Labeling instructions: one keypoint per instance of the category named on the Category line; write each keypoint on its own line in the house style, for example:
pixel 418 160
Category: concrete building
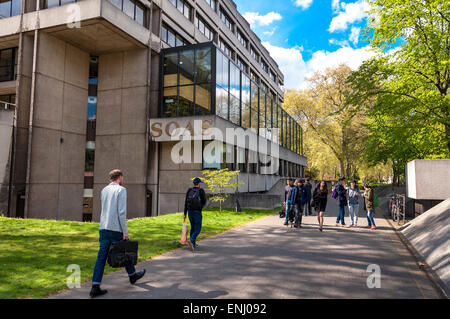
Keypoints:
pixel 94 81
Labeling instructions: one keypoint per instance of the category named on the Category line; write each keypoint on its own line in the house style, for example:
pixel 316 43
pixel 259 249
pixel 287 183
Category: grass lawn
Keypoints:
pixel 35 253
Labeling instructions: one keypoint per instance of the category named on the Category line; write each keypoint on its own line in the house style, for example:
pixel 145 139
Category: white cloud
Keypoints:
pixel 255 19
pixel 290 61
pixel 271 32
pixel 335 5
pixel 304 4
pixel 354 35
pixel 296 70
pixel 341 43
pixel 348 14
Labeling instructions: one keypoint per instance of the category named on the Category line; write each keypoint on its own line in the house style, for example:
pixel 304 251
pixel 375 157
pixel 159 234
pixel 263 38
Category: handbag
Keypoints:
pixel 123 253
pixel 184 231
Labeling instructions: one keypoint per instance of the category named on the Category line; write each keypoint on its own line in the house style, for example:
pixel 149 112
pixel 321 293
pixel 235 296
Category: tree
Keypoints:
pixel 324 110
pixel 219 181
pixel 404 89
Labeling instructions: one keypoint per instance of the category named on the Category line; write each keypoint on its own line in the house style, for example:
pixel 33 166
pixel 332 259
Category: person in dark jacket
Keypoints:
pixel 308 210
pixel 320 198
pixel 193 204
pixel 342 198
pixel 303 196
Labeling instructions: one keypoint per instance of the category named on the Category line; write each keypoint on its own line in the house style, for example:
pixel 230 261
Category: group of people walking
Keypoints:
pixel 298 201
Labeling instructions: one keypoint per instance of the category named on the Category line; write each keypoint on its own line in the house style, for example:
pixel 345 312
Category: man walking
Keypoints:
pixel 342 198
pixel 302 197
pixel 308 203
pixel 113 228
pixel 194 203
pixel 288 203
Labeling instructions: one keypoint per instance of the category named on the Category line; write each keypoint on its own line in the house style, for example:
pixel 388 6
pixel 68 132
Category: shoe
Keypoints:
pixel 195 245
pixel 191 247
pixel 320 228
pixel 367 226
pixel 286 223
pixel 295 226
pixel 137 276
pixel 373 227
pixel 96 291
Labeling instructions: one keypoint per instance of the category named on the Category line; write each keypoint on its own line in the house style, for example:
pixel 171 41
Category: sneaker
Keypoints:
pixel 191 247
pixel 367 226
pixel 137 276
pixel 96 291
pixel 195 245
pixel 286 223
pixel 373 227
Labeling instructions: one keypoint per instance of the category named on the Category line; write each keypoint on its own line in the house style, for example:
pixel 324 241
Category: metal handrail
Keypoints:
pixel 7 105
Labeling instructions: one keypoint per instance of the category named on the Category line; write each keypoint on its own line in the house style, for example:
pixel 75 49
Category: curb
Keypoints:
pixel 420 261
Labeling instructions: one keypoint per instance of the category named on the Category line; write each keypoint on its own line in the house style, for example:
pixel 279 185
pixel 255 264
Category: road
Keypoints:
pixel 264 259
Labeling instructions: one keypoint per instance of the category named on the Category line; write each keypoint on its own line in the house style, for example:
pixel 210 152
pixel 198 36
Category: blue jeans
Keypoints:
pixel 353 213
pixel 107 237
pixel 195 218
pixel 370 219
pixel 298 209
pixel 288 208
pixel 341 215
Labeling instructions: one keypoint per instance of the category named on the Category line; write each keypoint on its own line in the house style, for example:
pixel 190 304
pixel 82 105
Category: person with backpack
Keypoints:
pixel 303 196
pixel 353 203
pixel 340 193
pixel 369 198
pixel 320 197
pixel 193 205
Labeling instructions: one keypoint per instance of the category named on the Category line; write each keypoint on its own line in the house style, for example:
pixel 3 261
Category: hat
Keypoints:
pixel 197 180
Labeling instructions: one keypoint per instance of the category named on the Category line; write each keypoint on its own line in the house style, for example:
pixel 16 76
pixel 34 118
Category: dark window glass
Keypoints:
pixel 7 64
pixel 186 67
pixel 186 100
pixel 171 69
pixel 221 102
pixel 170 102
pixel 203 99
pixel 234 110
pixel 203 65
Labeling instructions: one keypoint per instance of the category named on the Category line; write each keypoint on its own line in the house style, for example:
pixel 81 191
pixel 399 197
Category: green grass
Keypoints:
pixel 35 253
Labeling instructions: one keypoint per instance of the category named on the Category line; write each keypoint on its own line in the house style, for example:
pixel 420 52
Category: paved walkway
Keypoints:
pixel 264 259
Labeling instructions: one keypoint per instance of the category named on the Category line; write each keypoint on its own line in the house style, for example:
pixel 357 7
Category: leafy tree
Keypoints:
pixel 334 128
pixel 221 183
pixel 404 89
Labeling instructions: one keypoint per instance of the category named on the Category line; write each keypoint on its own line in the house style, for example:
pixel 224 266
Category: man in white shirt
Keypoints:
pixel 113 228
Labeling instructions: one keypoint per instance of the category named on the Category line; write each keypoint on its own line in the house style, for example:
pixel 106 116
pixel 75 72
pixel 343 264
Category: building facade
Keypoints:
pixel 100 84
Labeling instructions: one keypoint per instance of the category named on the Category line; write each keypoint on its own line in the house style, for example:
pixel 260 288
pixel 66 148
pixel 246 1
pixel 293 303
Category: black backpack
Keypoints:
pixel 193 202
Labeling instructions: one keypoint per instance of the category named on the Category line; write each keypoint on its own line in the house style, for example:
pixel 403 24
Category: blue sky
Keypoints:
pixel 306 36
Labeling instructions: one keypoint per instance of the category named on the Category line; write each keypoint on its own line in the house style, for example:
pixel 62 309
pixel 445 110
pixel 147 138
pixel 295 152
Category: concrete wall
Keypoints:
pixel 59 130
pixel 121 139
pixel 429 234
pixel 428 179
pixel 6 124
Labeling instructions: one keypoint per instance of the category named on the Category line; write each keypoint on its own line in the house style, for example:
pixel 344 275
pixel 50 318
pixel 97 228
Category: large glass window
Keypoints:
pixel 262 113
pixel 8 61
pixel 245 101
pixel 187 82
pixel 254 99
pixel 10 8
pixel 212 4
pixel 225 48
pixel 242 39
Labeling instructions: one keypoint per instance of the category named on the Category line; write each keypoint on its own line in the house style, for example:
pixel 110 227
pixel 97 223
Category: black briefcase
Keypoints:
pixel 123 253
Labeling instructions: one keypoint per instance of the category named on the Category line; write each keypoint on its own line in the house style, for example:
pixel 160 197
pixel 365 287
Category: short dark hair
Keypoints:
pixel 342 178
pixel 115 174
